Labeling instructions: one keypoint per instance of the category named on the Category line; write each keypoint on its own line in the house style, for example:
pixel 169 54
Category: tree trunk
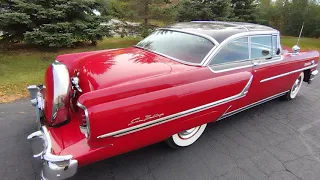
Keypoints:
pixel 146 12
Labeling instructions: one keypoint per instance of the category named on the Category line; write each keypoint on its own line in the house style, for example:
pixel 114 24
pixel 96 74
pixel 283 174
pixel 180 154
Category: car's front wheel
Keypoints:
pixel 186 138
pixel 295 88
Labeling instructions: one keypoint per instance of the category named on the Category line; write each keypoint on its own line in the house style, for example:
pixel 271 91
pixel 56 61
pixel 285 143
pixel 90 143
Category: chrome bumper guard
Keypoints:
pixel 313 75
pixel 54 167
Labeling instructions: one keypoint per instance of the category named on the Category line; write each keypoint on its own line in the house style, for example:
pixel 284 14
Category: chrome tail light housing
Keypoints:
pixel 57 81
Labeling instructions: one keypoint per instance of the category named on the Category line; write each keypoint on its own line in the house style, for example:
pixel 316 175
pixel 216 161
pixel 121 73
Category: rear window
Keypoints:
pixel 181 46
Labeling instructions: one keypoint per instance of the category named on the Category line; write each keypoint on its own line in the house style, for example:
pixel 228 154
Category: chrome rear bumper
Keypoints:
pixel 54 167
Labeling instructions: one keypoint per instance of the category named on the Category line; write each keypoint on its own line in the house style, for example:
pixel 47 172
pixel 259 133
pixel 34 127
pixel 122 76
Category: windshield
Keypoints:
pixel 180 46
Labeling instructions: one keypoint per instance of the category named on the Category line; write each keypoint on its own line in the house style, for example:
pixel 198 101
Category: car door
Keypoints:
pixel 231 59
pixel 264 52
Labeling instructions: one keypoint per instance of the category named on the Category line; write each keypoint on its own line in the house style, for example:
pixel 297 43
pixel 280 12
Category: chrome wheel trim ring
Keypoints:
pixel 188 133
pixel 296 86
pixel 188 137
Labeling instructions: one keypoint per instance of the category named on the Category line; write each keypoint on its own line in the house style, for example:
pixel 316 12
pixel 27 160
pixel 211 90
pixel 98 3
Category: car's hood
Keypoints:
pixel 102 69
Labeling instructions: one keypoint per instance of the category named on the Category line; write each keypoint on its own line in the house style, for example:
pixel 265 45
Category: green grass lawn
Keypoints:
pixel 20 68
pixel 305 43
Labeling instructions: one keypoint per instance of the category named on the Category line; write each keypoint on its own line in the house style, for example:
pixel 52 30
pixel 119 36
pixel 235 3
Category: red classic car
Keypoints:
pixel 95 105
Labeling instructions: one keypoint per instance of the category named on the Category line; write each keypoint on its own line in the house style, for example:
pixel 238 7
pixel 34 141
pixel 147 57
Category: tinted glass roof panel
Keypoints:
pixel 219 30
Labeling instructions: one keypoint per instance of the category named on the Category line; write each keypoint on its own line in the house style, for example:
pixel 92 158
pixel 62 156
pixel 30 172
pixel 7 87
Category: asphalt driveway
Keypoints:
pixel 276 140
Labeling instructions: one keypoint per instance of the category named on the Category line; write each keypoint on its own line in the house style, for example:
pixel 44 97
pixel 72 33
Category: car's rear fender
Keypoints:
pixel 107 119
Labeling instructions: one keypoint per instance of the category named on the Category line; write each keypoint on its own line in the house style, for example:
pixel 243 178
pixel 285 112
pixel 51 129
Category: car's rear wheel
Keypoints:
pixel 186 138
pixel 295 88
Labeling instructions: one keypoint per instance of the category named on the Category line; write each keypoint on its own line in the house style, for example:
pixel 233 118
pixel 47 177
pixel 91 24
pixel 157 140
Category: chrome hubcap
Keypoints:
pixel 189 133
pixel 296 86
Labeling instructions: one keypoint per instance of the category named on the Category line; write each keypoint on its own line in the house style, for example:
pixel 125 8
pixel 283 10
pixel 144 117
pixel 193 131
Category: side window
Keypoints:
pixel 261 47
pixel 235 50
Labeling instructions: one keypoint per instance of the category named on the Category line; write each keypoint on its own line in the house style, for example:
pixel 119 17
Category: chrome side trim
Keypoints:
pixel 178 115
pixel 229 69
pixel 276 59
pixel 225 115
pixel 273 60
pixel 246 88
pixel 288 73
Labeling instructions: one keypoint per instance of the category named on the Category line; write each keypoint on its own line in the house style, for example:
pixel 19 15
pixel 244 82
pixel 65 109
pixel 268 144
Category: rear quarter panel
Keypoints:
pixel 115 108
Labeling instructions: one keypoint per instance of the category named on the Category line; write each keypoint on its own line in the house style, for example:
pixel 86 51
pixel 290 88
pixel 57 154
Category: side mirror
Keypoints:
pixel 265 52
pixel 278 51
pixel 295 49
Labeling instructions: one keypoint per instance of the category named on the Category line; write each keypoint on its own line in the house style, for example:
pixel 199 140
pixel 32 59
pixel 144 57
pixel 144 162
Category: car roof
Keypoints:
pixel 219 30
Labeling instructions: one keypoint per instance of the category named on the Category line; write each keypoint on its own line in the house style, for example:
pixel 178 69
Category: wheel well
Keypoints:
pixel 306 75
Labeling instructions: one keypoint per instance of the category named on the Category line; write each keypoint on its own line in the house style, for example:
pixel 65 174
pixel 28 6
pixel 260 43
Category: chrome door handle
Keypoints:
pixel 256 63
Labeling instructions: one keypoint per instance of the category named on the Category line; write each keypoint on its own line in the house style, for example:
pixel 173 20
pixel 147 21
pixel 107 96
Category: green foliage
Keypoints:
pixel 316 33
pixel 288 16
pixel 52 23
pixel 204 10
pixel 244 10
pixel 141 10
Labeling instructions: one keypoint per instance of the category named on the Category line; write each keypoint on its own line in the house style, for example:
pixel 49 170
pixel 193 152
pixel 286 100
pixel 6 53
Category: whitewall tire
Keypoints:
pixel 186 138
pixel 295 88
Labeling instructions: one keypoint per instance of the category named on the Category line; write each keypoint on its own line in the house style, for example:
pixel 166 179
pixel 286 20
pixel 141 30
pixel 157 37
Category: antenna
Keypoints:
pixel 300 33
pixel 296 48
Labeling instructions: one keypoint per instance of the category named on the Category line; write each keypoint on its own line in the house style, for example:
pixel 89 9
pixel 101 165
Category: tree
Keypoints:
pixel 288 16
pixel 139 9
pixel 204 10
pixel 244 10
pixel 51 23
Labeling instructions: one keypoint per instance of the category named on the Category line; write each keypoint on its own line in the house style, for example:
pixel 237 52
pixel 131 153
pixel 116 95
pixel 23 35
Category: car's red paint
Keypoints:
pixel 48 81
pixel 288 64
pixel 124 84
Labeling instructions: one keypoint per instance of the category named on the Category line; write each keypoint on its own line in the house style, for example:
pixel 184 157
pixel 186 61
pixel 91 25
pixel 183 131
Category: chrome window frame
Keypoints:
pixel 249 51
pixel 271 35
pixel 274 58
pixel 217 47
pixel 210 57
pixel 211 39
pixel 274 53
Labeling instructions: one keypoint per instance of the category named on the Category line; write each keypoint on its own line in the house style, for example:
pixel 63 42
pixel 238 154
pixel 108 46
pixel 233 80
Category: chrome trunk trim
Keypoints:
pixel 169 118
